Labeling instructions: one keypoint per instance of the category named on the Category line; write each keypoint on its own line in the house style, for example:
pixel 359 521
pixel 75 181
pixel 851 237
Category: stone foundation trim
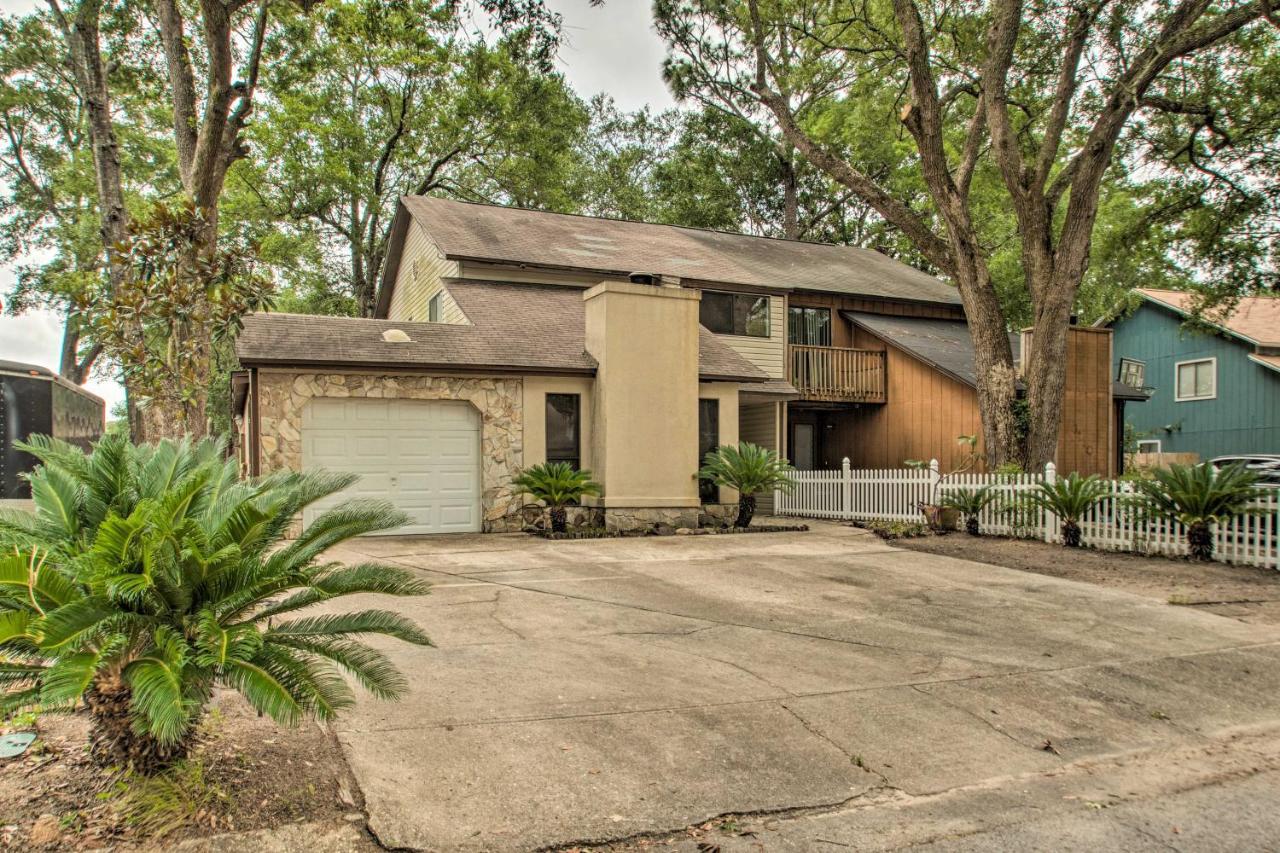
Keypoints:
pixel 620 520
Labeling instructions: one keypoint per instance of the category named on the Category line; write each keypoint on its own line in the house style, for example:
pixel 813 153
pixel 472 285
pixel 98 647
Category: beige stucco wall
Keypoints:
pixel 283 395
pixel 645 401
pixel 536 389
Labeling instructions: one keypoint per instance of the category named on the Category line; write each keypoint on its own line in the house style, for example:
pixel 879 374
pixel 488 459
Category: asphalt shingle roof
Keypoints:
pixel 1256 318
pixel 617 247
pixel 513 327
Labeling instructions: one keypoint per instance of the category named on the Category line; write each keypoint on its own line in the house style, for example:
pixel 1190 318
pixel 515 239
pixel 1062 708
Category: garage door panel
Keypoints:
pixel 423 456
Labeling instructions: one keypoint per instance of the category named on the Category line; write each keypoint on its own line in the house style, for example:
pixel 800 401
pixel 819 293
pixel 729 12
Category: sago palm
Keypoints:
pixel 750 469
pixel 148 575
pixel 970 503
pixel 1198 496
pixel 556 484
pixel 1069 498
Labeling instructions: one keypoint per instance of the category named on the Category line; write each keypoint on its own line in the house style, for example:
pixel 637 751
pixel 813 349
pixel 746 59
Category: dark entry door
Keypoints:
pixel 804 451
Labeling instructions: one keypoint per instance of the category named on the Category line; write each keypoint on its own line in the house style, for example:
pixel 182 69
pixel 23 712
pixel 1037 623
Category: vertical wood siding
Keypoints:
pixel 1086 442
pixel 1243 418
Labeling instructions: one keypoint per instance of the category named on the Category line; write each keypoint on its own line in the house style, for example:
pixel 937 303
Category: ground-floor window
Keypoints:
pixel 708 440
pixel 1149 445
pixel 564 429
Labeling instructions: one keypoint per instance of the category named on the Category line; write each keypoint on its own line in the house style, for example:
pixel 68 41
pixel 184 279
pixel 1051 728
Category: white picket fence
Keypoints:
pixel 1113 524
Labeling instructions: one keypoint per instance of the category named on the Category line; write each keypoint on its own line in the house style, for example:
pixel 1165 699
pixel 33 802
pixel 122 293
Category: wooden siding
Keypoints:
pixel 925 412
pixel 421 269
pixel 842 329
pixel 521 275
pixel 1086 442
pixel 1243 418
pixel 759 424
pixel 769 354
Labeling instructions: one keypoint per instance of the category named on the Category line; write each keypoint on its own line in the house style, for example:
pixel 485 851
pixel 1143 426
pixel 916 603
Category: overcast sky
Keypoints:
pixel 609 49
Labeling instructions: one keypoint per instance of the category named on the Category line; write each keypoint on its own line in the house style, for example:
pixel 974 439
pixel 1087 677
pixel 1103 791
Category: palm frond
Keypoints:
pixel 748 468
pixel 359 622
pixel 349 580
pixel 375 672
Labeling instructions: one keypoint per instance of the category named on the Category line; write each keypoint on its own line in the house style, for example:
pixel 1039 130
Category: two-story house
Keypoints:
pixel 508 337
pixel 1215 387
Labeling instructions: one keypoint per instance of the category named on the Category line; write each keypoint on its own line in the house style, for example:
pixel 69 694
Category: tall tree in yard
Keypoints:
pixel 373 101
pixel 1036 100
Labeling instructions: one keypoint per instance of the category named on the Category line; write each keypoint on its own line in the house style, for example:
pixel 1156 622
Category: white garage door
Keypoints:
pixel 422 455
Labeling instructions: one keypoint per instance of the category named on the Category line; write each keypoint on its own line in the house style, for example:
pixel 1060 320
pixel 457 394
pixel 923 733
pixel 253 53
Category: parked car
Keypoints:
pixel 1266 466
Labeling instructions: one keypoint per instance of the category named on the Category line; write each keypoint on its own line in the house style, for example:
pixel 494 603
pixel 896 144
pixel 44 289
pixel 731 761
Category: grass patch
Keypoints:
pixel 157 806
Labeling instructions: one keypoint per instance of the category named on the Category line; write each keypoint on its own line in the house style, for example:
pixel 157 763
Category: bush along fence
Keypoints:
pixel 1113 524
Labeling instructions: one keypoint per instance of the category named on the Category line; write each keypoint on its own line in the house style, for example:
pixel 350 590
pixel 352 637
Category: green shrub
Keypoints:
pixel 149 575
pixel 1069 498
pixel 557 484
pixel 750 469
pixel 1198 496
pixel 970 503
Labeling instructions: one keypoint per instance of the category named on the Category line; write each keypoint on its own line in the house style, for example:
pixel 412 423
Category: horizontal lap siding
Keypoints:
pixel 768 354
pixel 759 425
pixel 421 269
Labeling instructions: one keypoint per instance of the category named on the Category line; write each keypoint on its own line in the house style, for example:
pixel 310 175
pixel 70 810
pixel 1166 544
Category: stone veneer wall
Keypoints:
pixel 282 397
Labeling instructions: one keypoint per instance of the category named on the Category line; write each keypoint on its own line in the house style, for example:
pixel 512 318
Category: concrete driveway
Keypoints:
pixel 610 690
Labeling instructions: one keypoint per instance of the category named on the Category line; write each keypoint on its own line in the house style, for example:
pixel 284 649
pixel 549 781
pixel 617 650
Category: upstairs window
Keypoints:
pixel 1197 380
pixel 1133 373
pixel 744 314
pixel 433 309
pixel 564 429
pixel 809 326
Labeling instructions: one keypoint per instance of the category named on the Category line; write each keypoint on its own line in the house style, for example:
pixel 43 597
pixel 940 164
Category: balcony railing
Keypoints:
pixel 837 375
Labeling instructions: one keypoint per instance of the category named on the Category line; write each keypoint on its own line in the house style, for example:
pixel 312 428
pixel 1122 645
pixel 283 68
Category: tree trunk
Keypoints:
pixel 971 526
pixel 112 739
pixel 1200 540
pixel 746 510
pixel 790 198
pixel 1070 534
pixel 559 519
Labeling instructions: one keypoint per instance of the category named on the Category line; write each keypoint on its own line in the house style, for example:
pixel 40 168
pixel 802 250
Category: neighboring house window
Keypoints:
pixel 1133 372
pixel 433 309
pixel 564 429
pixel 809 326
pixel 1150 445
pixel 735 313
pixel 708 440
pixel 1197 380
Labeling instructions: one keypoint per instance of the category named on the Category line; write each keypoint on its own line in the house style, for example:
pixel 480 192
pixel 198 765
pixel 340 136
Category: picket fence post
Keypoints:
pixel 846 489
pixel 934 478
pixel 1050 520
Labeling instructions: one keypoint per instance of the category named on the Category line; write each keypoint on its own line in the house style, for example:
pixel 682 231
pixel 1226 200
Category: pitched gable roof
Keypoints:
pixel 514 327
pixel 1255 318
pixel 613 247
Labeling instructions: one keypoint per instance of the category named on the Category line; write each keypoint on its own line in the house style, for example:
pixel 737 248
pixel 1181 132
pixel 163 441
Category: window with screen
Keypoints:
pixel 809 326
pixel 1197 380
pixel 563 429
pixel 743 314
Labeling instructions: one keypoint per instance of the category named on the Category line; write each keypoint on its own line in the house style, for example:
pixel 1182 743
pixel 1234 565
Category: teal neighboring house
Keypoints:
pixel 1215 392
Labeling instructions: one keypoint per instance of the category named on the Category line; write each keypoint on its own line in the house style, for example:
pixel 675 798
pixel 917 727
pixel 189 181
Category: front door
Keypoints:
pixel 803 450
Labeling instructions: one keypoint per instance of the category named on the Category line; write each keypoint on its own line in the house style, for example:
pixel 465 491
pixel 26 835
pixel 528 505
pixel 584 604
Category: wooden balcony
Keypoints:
pixel 837 375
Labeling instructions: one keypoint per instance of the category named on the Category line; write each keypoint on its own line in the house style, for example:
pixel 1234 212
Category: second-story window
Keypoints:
pixel 744 314
pixel 809 326
pixel 433 309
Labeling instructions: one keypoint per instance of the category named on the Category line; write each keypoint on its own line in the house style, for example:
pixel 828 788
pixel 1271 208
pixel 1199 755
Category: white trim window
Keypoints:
pixel 1149 445
pixel 1196 380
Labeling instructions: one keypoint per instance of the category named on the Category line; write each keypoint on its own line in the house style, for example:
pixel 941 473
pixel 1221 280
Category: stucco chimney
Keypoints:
pixel 645 402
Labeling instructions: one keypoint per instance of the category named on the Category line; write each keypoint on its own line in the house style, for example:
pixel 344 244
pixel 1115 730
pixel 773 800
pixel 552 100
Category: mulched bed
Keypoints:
pixel 1242 592
pixel 601 533
pixel 256 775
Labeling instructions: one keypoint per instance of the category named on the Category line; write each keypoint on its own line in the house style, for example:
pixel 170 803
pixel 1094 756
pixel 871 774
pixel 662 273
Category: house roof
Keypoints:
pixel 516 327
pixel 947 346
pixel 1254 318
pixel 1271 361
pixel 614 247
